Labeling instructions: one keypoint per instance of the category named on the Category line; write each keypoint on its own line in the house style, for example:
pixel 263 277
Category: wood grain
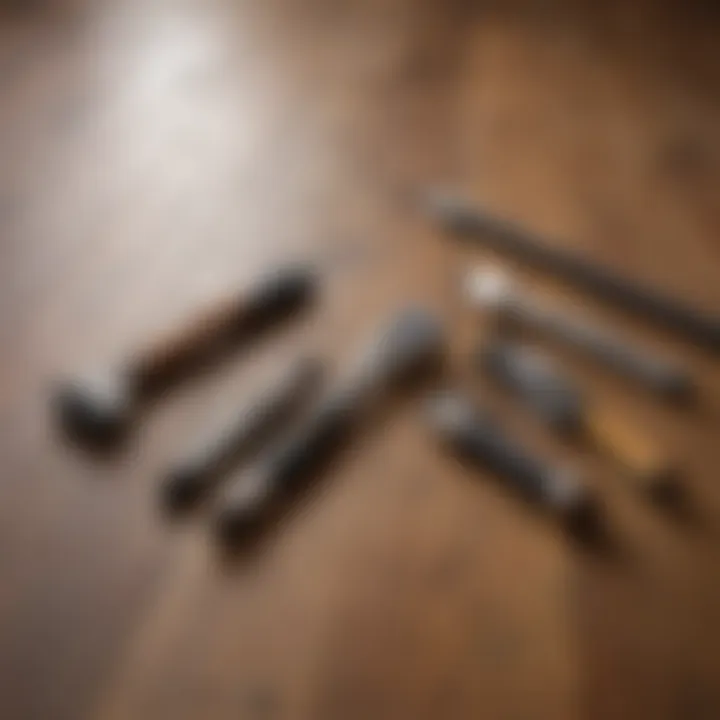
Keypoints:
pixel 156 154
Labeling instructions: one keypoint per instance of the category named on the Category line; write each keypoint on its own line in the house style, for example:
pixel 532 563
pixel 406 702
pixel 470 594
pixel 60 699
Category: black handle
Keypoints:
pixel 472 434
pixel 277 294
pixel 282 469
pixel 268 300
pixel 198 472
pixel 536 380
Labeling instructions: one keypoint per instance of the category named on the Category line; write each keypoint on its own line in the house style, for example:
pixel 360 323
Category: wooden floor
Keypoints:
pixel 154 153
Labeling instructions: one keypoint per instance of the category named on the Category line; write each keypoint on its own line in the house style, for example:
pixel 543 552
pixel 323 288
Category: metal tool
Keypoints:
pixel 493 289
pixel 475 436
pixel 542 386
pixel 196 474
pixel 472 222
pixel 99 410
pixel 413 341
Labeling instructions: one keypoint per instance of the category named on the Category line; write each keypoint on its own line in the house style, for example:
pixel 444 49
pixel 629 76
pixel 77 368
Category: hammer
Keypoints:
pixel 491 288
pixel 412 342
pixel 97 411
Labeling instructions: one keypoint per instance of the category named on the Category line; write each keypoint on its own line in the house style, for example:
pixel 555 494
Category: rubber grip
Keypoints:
pixel 199 471
pixel 475 436
pixel 413 339
pixel 537 381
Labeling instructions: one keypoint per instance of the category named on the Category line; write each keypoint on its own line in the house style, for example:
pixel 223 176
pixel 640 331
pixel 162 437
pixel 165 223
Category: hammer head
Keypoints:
pixel 94 412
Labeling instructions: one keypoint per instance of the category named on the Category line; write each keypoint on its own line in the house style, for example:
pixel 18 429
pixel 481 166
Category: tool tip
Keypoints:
pixel 448 411
pixel 487 286
pixel 573 503
pixel 182 488
pixel 443 204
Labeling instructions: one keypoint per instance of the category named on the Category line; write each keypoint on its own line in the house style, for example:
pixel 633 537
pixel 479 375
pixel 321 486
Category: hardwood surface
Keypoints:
pixel 155 153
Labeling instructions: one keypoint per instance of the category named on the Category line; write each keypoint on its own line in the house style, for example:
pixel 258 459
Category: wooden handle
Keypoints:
pixel 200 337
pixel 209 332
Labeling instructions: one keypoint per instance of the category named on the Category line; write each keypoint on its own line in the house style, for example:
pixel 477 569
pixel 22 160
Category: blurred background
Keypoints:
pixel 157 153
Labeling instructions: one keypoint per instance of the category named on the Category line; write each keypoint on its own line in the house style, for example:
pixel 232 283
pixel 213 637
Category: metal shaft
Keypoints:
pixel 516 307
pixel 476 224
pixel 412 341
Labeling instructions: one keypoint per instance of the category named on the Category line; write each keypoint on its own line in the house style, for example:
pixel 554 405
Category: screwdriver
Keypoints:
pixel 492 289
pixel 200 470
pixel 474 435
pixel 475 224
pixel 413 341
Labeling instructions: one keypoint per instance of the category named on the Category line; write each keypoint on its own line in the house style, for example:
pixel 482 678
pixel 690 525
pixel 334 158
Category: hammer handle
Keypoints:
pixel 268 300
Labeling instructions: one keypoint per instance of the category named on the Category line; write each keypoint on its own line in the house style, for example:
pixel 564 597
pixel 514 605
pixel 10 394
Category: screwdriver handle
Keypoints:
pixel 536 380
pixel 472 434
pixel 281 470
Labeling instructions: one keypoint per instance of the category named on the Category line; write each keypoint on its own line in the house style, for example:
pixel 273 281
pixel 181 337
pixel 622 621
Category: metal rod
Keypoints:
pixel 492 289
pixel 670 313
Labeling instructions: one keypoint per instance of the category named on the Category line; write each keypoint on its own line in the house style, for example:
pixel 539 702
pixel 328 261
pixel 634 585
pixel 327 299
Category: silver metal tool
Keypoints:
pixel 493 289
pixel 413 341
pixel 475 224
